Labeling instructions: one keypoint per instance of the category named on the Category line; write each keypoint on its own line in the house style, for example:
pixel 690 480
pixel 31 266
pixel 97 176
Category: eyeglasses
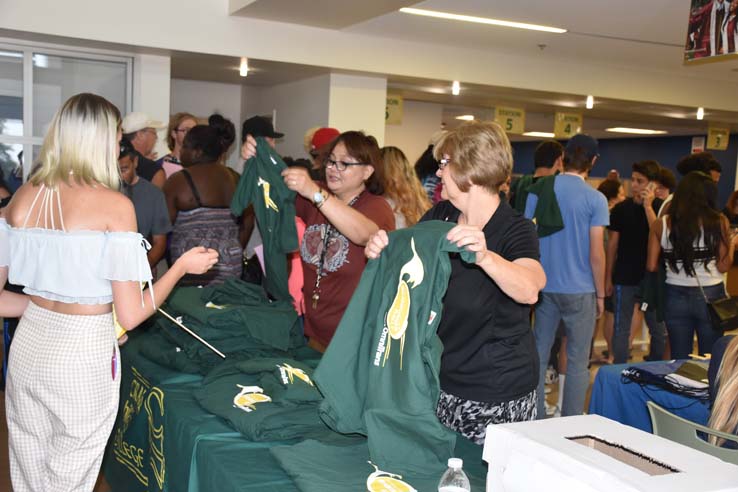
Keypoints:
pixel 445 161
pixel 151 131
pixel 182 130
pixel 341 165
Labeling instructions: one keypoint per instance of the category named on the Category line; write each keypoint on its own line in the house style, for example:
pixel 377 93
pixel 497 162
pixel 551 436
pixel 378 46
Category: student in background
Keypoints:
pixel 179 125
pixel 149 203
pixel 402 189
pixel 626 261
pixel 697 245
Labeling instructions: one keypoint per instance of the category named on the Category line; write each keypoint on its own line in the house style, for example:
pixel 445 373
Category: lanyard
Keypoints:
pixel 328 233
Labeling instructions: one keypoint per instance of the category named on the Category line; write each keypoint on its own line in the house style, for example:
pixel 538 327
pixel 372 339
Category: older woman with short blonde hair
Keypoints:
pixel 489 366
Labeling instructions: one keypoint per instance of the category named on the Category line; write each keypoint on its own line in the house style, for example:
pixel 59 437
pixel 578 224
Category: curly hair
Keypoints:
pixel 402 185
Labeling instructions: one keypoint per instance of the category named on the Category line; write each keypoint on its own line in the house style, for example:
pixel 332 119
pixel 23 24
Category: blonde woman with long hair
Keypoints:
pixel 70 239
pixel 402 188
pixel 724 388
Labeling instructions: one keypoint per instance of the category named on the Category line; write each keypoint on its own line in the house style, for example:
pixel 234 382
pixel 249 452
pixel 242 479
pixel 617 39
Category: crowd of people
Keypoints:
pixel 552 254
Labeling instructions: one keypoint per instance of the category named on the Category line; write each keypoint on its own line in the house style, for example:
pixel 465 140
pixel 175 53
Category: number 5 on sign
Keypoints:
pixel 566 125
pixel 512 120
pixel 717 138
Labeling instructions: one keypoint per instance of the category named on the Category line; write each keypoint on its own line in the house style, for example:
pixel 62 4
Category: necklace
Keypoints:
pixel 328 233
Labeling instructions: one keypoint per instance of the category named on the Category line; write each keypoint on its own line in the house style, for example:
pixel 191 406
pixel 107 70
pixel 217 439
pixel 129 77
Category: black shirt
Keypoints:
pixel 147 168
pixel 629 219
pixel 489 353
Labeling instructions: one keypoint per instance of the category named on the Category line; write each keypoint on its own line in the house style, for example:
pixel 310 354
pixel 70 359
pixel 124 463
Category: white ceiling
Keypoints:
pixel 648 35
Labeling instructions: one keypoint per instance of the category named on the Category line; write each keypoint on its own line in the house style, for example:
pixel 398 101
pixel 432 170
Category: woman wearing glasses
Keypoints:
pixel 179 125
pixel 340 216
pixel 489 365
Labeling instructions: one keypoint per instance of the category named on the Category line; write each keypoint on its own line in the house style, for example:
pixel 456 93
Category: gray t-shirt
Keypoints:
pixel 151 208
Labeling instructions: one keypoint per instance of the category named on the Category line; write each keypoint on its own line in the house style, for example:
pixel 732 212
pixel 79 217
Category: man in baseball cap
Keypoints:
pixel 321 138
pixel 140 130
pixel 258 126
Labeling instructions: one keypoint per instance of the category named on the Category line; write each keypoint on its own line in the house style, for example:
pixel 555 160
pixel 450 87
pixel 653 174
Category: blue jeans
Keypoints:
pixel 578 313
pixel 623 300
pixel 685 313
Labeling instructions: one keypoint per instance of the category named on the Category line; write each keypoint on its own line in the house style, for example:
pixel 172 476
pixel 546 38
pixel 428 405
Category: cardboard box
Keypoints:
pixel 589 453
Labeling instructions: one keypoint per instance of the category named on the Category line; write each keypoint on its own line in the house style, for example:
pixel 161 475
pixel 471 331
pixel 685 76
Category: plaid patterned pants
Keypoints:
pixel 61 399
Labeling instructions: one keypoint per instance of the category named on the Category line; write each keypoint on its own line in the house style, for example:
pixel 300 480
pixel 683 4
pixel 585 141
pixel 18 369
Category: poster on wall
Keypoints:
pixel 566 125
pixel 393 110
pixel 713 31
pixel 717 138
pixel 698 145
pixel 512 120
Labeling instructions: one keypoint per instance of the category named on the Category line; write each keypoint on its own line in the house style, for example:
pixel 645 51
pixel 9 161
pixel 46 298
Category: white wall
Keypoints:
pixel 205 98
pixel 297 106
pixel 419 121
pixel 151 88
pixel 358 103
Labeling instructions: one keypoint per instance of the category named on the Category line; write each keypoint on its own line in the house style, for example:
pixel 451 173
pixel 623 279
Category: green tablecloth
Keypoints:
pixel 164 441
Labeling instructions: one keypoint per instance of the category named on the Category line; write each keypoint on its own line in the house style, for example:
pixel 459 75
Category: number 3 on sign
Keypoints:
pixel 717 138
pixel 511 119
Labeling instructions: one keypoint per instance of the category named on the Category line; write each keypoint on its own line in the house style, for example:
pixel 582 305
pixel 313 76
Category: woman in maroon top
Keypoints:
pixel 340 215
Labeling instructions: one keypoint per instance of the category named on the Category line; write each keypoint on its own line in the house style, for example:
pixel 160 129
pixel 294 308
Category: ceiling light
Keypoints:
pixel 455 88
pixel 481 20
pixel 590 102
pixel 243 70
pixel 539 134
pixel 466 117
pixel 637 131
pixel 700 113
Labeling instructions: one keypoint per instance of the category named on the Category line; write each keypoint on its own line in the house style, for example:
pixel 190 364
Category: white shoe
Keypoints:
pixel 551 375
pixel 552 410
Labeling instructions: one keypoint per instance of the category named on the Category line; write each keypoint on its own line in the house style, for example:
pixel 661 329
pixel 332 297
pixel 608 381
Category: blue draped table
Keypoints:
pixel 625 401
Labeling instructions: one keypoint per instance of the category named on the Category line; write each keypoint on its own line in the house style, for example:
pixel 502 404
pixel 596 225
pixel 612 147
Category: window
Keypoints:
pixel 35 81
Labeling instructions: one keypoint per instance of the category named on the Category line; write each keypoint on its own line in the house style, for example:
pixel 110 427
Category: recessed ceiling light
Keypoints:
pixel 243 70
pixel 466 117
pixel 455 88
pixel 700 113
pixel 539 134
pixel 590 102
pixel 481 20
pixel 637 131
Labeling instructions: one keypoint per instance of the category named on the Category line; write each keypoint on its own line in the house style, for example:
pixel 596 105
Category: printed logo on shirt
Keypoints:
pixel 395 320
pixel 289 373
pixel 381 481
pixel 268 202
pixel 337 247
pixel 248 397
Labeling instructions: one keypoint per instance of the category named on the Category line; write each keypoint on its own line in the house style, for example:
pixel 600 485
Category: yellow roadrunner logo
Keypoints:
pixel 395 321
pixel 380 481
pixel 268 202
pixel 289 373
pixel 248 397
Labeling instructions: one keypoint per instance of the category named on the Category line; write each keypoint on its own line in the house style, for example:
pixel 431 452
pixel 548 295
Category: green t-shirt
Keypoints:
pixel 319 467
pixel 264 399
pixel 261 184
pixel 379 375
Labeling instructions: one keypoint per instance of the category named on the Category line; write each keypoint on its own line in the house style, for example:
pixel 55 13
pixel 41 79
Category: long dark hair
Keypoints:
pixel 694 210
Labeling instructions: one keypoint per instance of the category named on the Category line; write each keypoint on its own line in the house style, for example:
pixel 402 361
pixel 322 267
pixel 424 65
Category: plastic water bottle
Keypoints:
pixel 454 480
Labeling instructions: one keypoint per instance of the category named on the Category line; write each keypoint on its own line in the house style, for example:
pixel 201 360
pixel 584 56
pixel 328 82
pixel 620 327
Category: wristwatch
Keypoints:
pixel 320 197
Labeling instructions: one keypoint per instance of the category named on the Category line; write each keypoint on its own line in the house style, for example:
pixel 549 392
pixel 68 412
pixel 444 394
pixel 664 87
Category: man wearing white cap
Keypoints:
pixel 140 130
